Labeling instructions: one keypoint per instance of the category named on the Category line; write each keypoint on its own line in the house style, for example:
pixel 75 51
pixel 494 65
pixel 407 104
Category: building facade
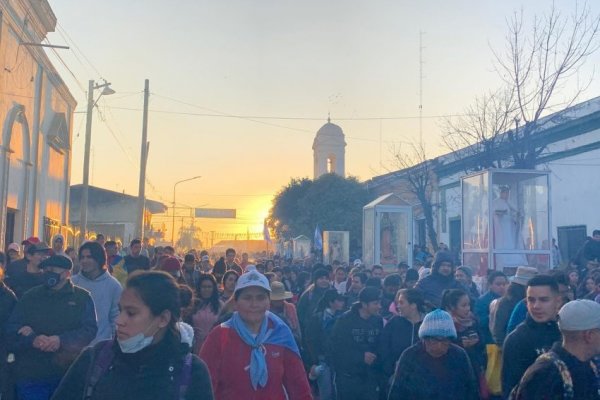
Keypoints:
pixel 114 214
pixel 571 153
pixel 36 110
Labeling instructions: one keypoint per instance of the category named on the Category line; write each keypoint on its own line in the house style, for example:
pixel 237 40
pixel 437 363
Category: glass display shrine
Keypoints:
pixel 387 232
pixel 506 220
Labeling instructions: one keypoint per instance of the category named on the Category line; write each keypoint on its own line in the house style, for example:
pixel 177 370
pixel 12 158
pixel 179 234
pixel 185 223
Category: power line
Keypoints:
pixel 252 120
pixel 405 117
pixel 60 28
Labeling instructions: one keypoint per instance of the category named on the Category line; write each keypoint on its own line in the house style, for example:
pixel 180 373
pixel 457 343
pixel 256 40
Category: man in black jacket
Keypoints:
pixel 579 323
pixel 354 341
pixel 48 328
pixel 536 335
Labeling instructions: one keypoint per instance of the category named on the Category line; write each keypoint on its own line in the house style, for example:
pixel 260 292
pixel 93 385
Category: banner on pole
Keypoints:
pixel 215 213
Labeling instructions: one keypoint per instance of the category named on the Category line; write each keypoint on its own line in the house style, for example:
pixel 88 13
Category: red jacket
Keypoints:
pixel 228 360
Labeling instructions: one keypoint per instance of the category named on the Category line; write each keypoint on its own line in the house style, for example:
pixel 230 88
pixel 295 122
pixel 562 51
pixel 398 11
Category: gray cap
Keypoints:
pixel 579 315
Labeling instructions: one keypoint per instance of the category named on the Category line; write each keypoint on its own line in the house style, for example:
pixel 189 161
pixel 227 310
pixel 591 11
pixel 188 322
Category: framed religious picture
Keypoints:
pixel 336 246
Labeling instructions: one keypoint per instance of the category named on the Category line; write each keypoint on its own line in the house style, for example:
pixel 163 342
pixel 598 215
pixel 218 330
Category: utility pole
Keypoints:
pixel 86 164
pixel 139 227
pixel 106 91
pixel 421 89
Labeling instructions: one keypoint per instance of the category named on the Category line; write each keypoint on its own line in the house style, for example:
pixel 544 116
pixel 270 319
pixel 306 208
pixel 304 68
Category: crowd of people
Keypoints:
pixel 151 324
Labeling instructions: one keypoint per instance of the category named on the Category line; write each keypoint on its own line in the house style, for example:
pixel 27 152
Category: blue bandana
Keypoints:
pixel 278 334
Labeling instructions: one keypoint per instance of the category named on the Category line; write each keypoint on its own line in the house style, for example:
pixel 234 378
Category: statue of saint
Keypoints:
pixel 507 230
pixel 388 239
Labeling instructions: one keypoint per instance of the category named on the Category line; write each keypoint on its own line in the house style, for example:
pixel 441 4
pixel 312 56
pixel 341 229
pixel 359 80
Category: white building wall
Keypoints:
pixel 33 180
pixel 574 187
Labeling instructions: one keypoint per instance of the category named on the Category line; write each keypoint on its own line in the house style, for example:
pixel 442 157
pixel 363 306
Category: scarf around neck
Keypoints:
pixel 277 334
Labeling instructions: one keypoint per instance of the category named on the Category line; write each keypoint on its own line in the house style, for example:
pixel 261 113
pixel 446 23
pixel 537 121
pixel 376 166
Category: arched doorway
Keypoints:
pixel 14 184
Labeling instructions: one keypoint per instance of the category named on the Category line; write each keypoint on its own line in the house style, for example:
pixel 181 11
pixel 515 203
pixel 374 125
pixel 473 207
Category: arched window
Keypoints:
pixel 331 164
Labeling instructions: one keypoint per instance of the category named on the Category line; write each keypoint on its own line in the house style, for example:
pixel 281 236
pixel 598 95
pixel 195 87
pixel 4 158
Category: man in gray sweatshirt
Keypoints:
pixel 104 288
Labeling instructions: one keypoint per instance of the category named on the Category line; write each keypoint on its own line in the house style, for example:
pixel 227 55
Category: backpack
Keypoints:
pixel 102 361
pixel 565 375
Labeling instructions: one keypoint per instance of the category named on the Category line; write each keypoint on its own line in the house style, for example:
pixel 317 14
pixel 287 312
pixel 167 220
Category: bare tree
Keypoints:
pixel 536 64
pixel 477 136
pixel 418 172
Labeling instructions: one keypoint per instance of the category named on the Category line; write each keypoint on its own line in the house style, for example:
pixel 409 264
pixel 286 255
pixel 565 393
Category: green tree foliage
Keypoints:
pixel 333 202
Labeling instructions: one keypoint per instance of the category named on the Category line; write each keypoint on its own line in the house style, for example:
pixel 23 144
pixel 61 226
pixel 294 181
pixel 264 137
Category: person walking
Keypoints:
pixel 150 358
pixel 435 368
pixel 457 303
pixel 8 300
pixel 402 331
pixel 441 278
pixel 104 288
pixel 206 309
pixel 253 355
pixel 565 372
pixel 48 328
pixel 355 341
pixel 318 342
pixel 536 335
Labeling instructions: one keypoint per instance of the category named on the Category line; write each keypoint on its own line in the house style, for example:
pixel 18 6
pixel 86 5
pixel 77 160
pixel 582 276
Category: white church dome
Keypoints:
pixel 329 134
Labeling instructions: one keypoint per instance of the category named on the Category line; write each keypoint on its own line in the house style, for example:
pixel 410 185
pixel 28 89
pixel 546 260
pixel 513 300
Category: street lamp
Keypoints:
pixel 106 91
pixel 173 223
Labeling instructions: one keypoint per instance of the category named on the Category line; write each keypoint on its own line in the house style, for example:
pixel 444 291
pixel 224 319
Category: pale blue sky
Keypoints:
pixel 273 58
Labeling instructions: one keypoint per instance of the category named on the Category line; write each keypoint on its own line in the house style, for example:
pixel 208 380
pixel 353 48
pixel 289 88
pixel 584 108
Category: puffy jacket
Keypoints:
pixel 434 285
pixel 67 313
pixel 420 376
pixel 150 374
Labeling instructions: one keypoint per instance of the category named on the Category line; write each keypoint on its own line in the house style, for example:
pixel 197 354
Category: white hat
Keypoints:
pixel 523 275
pixel 579 315
pixel 357 262
pixel 14 246
pixel 252 278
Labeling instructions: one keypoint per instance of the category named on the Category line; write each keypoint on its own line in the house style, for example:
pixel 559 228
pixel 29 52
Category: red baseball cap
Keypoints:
pixel 31 240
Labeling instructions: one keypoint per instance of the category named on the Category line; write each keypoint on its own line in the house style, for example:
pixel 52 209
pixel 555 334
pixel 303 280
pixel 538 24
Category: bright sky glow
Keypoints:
pixel 274 58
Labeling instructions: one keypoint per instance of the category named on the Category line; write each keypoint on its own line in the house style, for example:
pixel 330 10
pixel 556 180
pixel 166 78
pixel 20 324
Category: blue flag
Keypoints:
pixel 318 239
pixel 266 234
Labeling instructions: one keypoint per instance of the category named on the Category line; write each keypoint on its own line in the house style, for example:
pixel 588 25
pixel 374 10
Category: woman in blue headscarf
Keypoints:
pixel 254 355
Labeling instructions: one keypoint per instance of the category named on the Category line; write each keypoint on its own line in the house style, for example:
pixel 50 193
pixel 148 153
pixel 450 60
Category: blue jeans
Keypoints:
pixel 325 383
pixel 36 390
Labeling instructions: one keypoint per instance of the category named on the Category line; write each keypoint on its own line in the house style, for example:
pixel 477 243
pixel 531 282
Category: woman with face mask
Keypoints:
pixel 254 355
pixel 150 357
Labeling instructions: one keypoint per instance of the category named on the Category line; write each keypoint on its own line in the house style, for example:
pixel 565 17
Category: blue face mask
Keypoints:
pixel 135 343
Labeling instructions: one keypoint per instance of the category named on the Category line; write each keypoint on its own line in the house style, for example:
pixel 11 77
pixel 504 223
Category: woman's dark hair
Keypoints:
pixel 213 300
pixel 227 274
pixel 186 296
pixel 514 291
pixel 451 297
pixel 159 291
pixel 2 257
pixel 414 296
pixel 561 277
pixel 96 251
